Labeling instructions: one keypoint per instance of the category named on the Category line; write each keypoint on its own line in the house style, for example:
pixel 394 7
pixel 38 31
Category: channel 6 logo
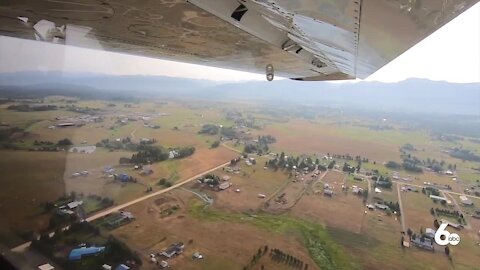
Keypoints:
pixel 448 238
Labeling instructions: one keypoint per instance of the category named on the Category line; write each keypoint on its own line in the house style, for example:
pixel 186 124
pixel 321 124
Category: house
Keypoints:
pixel 262 196
pixel 146 170
pixel 197 255
pixel 122 267
pixel 108 170
pixel 224 185
pixel 377 190
pixel 172 250
pixel 430 233
pixel 123 217
pixel 74 204
pixel 449 172
pixel 328 192
pixel 163 264
pixel 67 124
pixel 382 206
pixel 370 206
pixel 438 198
pixel 79 253
pixel 451 224
pixel 465 200
pixel 226 178
pixel 46 266
pixel 172 154
pixel 422 242
pixel 127 215
pixel 106 267
pixel 357 190
pixel 62 210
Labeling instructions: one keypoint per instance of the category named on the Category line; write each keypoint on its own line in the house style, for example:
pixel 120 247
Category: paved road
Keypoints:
pixel 117 208
pixel 402 214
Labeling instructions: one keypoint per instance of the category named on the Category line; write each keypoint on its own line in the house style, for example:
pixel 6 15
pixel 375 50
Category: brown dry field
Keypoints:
pixel 99 184
pixel 256 181
pixel 202 160
pixel 320 138
pixel 150 234
pixel 345 211
pixel 292 192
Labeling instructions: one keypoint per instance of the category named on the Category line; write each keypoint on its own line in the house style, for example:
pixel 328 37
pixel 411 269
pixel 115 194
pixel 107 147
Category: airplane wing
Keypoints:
pixel 300 39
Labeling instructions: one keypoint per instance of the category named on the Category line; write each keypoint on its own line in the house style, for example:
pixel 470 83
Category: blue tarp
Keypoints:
pixel 78 253
pixel 124 177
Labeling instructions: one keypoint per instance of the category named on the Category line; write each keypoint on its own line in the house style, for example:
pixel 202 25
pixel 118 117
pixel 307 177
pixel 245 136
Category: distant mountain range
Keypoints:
pixel 410 96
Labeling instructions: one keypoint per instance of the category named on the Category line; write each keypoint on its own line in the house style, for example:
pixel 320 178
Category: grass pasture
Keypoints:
pixel 30 179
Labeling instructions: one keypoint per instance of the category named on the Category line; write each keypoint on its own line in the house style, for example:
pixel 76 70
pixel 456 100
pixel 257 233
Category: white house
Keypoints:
pixel 465 200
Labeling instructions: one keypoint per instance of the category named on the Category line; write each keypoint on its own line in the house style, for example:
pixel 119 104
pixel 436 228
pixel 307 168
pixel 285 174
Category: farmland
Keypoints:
pixel 305 189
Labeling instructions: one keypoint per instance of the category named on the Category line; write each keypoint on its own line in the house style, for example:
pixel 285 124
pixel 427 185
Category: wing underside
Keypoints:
pixel 301 39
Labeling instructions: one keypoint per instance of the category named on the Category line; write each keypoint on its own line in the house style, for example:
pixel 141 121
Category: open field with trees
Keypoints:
pixel 299 192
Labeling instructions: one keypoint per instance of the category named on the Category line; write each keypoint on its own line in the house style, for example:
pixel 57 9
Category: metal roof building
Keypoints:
pixel 78 253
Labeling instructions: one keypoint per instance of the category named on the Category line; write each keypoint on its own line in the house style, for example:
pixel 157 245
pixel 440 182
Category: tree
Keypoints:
pixel 162 181
pixel 393 165
pixel 409 232
pixel 65 142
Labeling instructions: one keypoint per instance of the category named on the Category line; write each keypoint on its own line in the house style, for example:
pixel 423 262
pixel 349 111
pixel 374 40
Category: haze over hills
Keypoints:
pixel 410 96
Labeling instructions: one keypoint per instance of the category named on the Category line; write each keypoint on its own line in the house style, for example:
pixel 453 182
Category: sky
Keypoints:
pixel 450 54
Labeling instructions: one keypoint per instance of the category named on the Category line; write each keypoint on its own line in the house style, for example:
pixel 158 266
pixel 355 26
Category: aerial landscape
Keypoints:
pixel 156 172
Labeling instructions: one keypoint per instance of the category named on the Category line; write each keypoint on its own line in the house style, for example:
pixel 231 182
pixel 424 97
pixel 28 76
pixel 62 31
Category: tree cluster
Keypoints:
pixel 464 154
pixel 348 157
pixel 209 129
pixel 34 108
pixel 64 142
pixel 382 181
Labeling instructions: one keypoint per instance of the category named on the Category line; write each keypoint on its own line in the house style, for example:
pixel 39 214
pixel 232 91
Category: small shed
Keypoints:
pixel 224 185
pixel 328 192
pixel 429 232
pixel 122 267
pixel 46 266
